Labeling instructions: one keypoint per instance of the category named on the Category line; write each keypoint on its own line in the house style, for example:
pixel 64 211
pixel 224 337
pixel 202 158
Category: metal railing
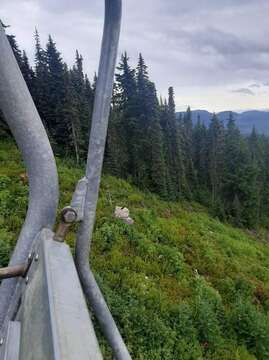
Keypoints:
pixel 26 126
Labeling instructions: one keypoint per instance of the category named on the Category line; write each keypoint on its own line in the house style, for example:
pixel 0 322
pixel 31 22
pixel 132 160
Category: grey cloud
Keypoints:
pixel 192 45
pixel 244 91
pixel 65 6
pixel 211 40
pixel 257 86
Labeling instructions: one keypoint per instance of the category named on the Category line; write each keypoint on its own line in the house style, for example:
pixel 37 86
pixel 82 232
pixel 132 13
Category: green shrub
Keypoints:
pixel 172 260
pixel 108 234
pixel 251 328
pixel 5 181
pixel 208 314
pixel 5 247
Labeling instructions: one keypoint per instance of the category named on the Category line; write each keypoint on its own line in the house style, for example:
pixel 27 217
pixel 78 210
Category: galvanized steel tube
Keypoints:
pixel 25 124
pixel 97 143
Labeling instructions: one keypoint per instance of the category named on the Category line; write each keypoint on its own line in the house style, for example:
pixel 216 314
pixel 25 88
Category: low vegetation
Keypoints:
pixel 180 284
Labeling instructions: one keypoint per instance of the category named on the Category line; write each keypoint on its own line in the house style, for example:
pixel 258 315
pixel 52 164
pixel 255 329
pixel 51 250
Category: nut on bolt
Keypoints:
pixel 69 215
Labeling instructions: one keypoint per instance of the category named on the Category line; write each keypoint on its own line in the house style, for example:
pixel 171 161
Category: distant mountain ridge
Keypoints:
pixel 245 120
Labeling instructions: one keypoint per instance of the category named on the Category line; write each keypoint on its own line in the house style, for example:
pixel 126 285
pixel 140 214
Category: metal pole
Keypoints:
pixel 25 124
pixel 12 271
pixel 97 143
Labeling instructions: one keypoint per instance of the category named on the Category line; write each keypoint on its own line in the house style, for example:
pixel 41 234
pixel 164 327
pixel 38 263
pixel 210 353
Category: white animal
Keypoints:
pixel 123 214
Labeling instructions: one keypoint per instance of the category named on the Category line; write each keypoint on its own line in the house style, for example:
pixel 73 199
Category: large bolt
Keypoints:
pixel 69 215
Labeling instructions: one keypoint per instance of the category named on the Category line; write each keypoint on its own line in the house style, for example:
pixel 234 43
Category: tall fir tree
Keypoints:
pixel 56 93
pixel 200 160
pixel 188 151
pixel 216 143
pixel 126 107
pixel 40 93
pixel 176 179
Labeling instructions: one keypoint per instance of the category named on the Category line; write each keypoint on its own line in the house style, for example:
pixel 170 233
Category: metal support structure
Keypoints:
pixel 52 321
pixel 55 321
pixel 97 143
pixel 25 124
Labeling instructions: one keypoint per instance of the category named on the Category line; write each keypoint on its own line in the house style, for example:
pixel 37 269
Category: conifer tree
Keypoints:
pixel 15 48
pixel 126 102
pixel 40 93
pixel 149 141
pixel 81 92
pixel 234 164
pixel 156 160
pixel 216 138
pixel 257 161
pixel 200 160
pixel 116 153
pixel 27 72
pixel 188 150
pixel 55 93
pixel 176 180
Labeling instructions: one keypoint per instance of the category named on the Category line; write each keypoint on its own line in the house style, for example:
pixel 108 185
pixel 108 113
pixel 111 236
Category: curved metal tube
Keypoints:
pixel 25 124
pixel 97 143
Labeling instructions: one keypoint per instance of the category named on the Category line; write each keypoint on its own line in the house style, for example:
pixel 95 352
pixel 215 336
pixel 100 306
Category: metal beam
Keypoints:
pixel 55 322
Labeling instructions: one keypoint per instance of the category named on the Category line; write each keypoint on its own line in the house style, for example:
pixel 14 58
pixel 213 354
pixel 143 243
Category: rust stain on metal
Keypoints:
pixel 68 217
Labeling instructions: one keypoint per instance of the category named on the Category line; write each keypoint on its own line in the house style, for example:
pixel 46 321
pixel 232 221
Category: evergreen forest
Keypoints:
pixel 149 144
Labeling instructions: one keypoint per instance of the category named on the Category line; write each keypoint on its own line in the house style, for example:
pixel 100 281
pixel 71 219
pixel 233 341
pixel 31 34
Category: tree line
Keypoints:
pixel 148 143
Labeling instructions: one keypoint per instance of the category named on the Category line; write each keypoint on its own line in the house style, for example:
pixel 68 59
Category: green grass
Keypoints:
pixel 180 284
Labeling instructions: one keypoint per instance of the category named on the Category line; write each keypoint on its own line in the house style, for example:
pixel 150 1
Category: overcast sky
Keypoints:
pixel 214 52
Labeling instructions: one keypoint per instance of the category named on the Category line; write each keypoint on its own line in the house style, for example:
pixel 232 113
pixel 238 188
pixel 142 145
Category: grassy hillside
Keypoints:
pixel 180 284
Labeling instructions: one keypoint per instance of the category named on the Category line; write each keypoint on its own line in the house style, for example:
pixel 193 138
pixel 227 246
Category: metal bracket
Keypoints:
pixel 78 199
pixel 74 212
